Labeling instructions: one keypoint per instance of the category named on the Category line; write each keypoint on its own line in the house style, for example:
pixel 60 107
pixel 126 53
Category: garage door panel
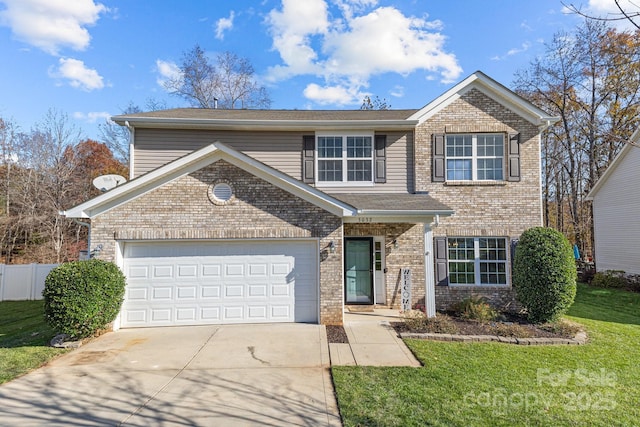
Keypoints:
pixel 138 272
pixel 210 292
pixel 210 314
pixel 186 292
pixel 220 282
pixel 259 290
pixel 188 271
pixel 211 270
pixel 161 293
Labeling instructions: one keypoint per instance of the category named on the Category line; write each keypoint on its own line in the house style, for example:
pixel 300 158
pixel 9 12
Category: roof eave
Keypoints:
pixel 401 216
pixel 167 123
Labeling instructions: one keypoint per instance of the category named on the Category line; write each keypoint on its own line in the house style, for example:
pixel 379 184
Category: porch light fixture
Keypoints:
pixel 332 247
pixel 395 244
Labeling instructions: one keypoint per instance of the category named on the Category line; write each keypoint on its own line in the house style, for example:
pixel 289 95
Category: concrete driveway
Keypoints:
pixel 182 376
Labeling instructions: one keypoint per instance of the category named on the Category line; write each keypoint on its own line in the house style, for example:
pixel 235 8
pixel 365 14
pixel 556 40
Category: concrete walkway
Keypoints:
pixel 372 341
pixel 231 375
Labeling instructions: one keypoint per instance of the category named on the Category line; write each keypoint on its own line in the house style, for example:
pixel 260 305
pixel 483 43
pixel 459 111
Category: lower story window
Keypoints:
pixel 477 260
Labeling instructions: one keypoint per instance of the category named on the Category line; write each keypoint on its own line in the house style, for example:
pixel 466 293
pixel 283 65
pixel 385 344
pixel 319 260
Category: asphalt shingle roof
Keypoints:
pixel 393 202
pixel 302 115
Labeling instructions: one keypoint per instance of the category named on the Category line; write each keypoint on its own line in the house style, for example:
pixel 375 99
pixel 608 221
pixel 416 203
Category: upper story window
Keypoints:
pixel 345 158
pixel 474 157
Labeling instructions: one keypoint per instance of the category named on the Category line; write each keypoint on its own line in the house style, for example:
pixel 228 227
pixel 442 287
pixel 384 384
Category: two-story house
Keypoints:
pixel 246 216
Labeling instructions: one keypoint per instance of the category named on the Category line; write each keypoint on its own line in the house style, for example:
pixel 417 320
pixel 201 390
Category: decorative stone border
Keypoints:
pixel 579 339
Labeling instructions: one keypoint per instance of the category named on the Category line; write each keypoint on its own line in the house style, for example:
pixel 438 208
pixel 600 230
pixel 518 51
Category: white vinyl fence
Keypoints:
pixel 23 282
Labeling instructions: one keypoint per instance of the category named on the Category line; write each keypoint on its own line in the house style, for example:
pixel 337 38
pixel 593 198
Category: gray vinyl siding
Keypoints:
pixel 616 216
pixel 279 150
pixel 156 147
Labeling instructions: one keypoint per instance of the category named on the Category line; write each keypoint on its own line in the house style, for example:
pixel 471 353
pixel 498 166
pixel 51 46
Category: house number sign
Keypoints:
pixel 405 291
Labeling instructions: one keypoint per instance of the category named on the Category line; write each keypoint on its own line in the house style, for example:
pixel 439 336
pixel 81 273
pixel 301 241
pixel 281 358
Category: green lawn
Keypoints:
pixel 507 385
pixel 23 338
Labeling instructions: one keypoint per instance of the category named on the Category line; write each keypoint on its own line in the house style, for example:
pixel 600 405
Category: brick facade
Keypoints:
pixel 503 209
pixel 182 209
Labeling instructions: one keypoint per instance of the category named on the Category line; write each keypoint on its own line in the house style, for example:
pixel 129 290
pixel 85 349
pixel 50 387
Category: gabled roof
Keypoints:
pixel 195 161
pixel 492 89
pixel 203 118
pixel 301 120
pixel 635 138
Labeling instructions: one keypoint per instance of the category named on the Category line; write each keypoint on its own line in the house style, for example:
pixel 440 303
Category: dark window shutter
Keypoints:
pixel 440 249
pixel 437 169
pixel 380 158
pixel 513 145
pixel 514 245
pixel 308 155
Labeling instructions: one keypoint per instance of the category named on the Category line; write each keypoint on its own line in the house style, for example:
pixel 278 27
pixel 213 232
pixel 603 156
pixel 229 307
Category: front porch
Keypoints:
pixel 375 254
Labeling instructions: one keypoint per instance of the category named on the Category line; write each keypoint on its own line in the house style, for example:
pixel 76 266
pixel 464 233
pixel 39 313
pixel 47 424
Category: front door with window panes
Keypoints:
pixel 358 263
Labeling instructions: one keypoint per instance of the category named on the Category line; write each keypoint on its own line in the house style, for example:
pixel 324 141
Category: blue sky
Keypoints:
pixel 91 58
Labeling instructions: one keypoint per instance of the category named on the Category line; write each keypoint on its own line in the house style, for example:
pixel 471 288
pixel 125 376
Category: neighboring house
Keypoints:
pixel 245 216
pixel 616 212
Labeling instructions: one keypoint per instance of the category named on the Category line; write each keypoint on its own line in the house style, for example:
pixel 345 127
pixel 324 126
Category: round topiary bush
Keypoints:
pixel 82 297
pixel 544 274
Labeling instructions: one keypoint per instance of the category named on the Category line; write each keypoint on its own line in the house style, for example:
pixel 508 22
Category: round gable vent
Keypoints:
pixel 221 193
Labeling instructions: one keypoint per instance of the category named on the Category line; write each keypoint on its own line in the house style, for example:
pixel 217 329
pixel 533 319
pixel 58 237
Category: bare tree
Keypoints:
pixel 228 83
pixel 590 79
pixel 49 143
pixel 374 104
pixel 631 14
pixel 116 137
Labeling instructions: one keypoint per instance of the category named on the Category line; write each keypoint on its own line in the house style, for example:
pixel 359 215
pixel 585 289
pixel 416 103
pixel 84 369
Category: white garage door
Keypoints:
pixel 197 283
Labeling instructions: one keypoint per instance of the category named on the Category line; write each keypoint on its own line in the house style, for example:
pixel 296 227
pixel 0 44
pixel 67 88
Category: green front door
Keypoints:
pixel 358 266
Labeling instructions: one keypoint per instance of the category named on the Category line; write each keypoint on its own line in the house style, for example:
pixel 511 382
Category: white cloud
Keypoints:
pixel 292 29
pixel 92 116
pixel 52 24
pixel 353 42
pixel 224 24
pixel 398 91
pixel 514 51
pixel 77 74
pixel 336 95
pixel 167 70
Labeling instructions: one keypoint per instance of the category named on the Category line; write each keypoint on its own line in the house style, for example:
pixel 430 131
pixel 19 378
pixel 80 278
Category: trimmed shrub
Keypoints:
pixel 544 274
pixel 609 279
pixel 82 297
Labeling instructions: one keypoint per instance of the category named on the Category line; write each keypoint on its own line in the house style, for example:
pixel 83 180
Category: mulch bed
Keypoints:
pixel 336 335
pixel 512 326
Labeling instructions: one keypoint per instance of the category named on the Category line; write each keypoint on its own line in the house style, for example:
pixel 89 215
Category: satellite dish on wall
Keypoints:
pixel 107 182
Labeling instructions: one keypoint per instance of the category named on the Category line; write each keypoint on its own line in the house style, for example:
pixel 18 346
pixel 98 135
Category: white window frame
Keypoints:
pixel 477 262
pixel 345 159
pixel 474 157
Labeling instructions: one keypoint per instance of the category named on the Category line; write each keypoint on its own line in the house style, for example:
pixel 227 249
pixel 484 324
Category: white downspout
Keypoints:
pixel 131 138
pixel 86 224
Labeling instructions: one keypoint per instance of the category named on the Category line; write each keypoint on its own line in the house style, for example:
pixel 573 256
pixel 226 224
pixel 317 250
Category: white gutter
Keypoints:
pixel 240 124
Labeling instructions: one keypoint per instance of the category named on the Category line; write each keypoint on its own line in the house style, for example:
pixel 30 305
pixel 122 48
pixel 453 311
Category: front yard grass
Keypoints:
pixel 24 337
pixel 480 384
